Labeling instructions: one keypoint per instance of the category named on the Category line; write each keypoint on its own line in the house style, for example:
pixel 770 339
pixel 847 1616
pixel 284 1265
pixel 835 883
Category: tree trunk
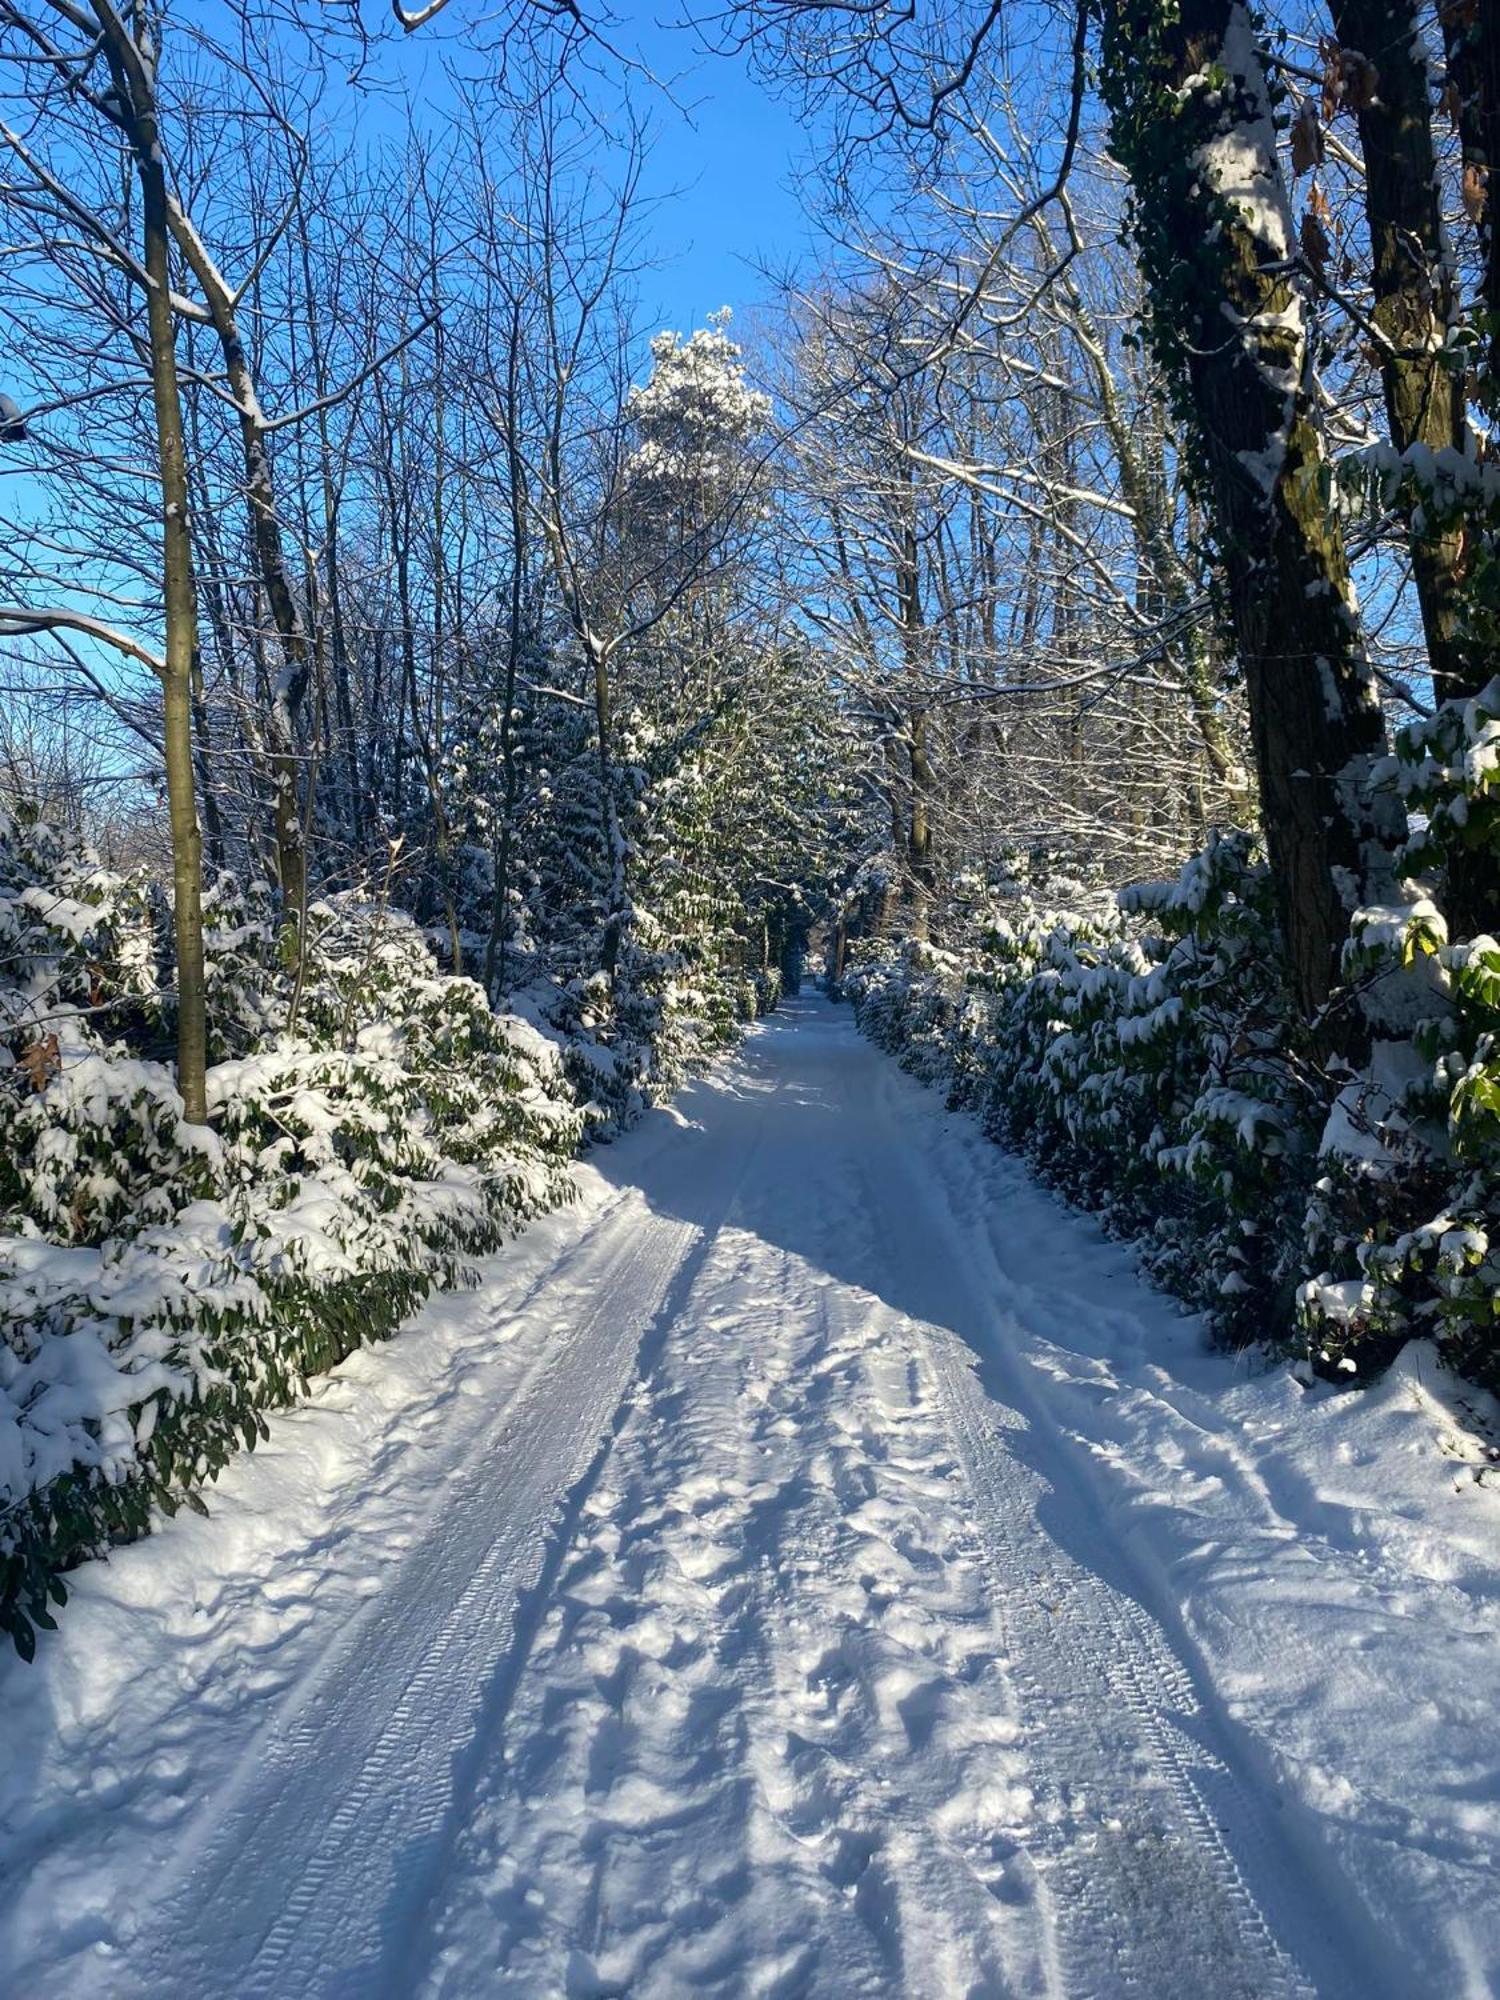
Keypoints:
pixel 919 883
pixel 920 845
pixel 289 690
pixel 614 844
pixel 1414 306
pixel 132 79
pixel 1471 42
pixel 347 758
pixel 1192 124
pixel 516 490
pixel 1424 392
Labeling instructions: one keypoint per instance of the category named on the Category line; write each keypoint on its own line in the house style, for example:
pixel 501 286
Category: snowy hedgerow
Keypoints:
pixel 162 1283
pixel 1405 1232
pixel 1137 1049
pixel 1246 1101
pixel 766 987
pixel 1144 1053
pixel 908 1003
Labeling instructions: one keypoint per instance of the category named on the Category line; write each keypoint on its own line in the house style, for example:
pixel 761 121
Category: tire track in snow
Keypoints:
pixel 901 1760
pixel 1148 1837
pixel 622 1842
pixel 489 1745
pixel 1146 1892
pixel 305 1881
pixel 762 1747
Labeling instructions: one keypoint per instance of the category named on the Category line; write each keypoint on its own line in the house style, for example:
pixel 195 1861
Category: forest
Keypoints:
pixel 439 709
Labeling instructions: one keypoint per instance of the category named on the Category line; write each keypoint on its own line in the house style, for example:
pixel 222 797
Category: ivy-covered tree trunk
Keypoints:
pixel 1192 124
pixel 1164 582
pixel 1414 308
pixel 1413 284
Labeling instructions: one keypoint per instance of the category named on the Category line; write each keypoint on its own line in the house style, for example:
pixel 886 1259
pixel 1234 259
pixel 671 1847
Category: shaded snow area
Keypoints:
pixel 813 1565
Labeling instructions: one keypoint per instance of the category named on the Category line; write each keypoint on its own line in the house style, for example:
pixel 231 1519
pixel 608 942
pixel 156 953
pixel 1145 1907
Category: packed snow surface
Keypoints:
pixel 813 1565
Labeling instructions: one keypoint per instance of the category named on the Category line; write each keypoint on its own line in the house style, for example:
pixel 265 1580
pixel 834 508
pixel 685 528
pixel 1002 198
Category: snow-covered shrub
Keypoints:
pixel 1404 1234
pixel 907 1002
pixel 82 946
pixel 767 986
pixel 243 972
pixel 695 858
pixel 607 1069
pixel 1143 1052
pixel 1241 1101
pixel 162 1283
pixel 1137 1049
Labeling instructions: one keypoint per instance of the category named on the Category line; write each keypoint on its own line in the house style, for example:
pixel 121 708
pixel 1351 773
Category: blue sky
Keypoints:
pixel 718 179
pixel 731 152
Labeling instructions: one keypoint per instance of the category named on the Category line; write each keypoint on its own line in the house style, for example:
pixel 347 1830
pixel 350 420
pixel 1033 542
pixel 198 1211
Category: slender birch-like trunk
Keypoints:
pixel 132 68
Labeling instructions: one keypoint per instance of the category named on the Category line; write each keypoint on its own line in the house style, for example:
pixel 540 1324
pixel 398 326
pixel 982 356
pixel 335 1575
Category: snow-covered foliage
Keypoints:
pixel 693 418
pixel 706 871
pixel 75 938
pixel 1138 1050
pixel 161 1283
pixel 1142 1052
pixel 1406 1227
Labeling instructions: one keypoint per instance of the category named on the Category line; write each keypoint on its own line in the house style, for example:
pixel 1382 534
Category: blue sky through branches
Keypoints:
pixel 718 187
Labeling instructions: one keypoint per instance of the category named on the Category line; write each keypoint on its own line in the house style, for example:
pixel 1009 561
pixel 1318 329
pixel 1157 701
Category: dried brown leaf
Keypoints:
pixel 1316 247
pixel 40 1062
pixel 1332 67
pixel 1361 81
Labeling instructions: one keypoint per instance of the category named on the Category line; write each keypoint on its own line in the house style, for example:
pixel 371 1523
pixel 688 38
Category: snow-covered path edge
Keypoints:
pixel 181 1654
pixel 1326 1564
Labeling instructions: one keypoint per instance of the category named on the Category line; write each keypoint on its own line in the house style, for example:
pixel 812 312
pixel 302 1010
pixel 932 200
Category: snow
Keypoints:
pixel 1240 163
pixel 1370 1113
pixel 811 1563
pixel 1241 160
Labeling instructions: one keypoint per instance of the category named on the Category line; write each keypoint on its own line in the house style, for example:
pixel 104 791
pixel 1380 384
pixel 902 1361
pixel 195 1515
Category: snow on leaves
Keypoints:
pixel 162 1282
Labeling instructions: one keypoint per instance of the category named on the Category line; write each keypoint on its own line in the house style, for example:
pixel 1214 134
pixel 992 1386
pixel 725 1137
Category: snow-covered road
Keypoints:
pixel 728 1598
